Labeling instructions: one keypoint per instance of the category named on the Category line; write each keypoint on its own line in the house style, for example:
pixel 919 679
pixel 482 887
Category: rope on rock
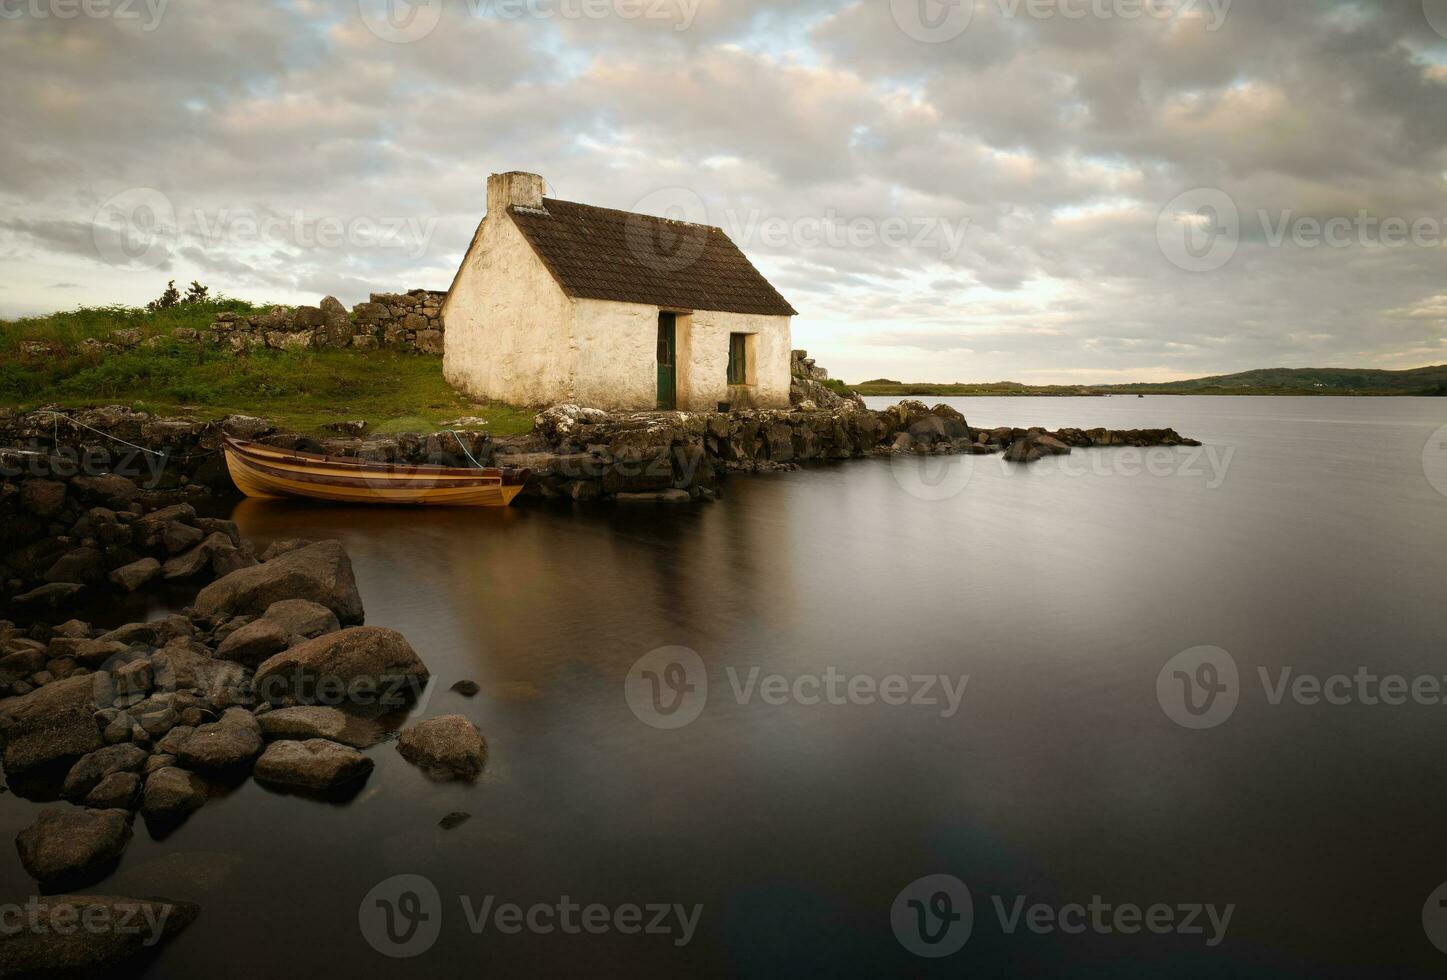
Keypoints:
pixel 57 416
pixel 465 451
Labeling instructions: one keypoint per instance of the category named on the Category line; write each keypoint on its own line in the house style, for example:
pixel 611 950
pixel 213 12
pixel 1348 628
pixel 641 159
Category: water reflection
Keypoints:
pixel 796 826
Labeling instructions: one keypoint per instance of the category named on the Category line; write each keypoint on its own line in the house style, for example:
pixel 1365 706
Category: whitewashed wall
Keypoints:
pixel 509 323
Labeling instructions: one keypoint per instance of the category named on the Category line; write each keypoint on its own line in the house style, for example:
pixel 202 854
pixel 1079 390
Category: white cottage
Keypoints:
pixel 561 302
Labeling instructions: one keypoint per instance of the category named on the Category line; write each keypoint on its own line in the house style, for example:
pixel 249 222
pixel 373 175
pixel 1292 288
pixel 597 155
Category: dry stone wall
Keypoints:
pixel 402 321
pixel 809 393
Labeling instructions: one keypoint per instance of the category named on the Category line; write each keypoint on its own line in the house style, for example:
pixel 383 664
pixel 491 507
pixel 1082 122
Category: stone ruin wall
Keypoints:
pixel 402 321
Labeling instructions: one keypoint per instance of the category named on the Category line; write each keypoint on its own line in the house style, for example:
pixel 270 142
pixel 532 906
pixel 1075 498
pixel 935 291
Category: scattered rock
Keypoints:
pixel 81 566
pixel 278 548
pixel 156 633
pixel 199 559
pixel 73 629
pixel 43 498
pixel 50 596
pixel 174 739
pixel 314 764
pixel 303 722
pixel 320 572
pixel 136 677
pixel 285 624
pixel 131 577
pixel 177 537
pixel 454 820
pixel 467 689
pixel 117 791
pixel 95 766
pixel 221 745
pixel 158 761
pixel 345 667
pixel 171 791
pixel 111 490
pixel 54 723
pixel 67 841
pixel 449 747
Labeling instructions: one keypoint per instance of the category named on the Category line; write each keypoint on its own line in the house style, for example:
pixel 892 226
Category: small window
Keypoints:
pixel 738 358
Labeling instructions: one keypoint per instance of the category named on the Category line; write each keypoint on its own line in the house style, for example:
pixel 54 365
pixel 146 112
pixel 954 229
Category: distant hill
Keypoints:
pixel 1265 381
pixel 1309 381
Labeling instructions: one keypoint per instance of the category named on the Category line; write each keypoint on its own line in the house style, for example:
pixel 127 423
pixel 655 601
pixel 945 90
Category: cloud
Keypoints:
pixel 1054 144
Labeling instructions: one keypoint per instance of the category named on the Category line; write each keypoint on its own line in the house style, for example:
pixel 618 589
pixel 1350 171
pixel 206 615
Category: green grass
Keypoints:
pixel 71 327
pixel 300 390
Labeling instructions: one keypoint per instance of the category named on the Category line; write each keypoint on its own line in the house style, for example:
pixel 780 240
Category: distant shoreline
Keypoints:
pixel 1420 382
pixel 970 391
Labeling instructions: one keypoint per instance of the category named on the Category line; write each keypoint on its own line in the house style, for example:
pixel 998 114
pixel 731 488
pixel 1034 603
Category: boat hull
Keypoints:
pixel 263 472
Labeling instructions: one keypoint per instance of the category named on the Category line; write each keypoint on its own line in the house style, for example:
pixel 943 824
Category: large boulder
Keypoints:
pixel 50 724
pixel 363 667
pixel 314 764
pixel 321 573
pixel 284 625
pixel 449 747
pixel 116 930
pixel 66 841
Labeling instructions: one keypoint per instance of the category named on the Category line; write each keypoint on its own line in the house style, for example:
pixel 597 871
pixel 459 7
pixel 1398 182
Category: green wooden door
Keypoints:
pixel 667 362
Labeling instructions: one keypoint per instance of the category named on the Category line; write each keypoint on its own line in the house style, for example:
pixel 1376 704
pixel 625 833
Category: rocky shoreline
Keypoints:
pixel 269 674
pixel 573 452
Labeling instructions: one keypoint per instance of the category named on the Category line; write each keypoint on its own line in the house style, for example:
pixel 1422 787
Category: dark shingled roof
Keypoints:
pixel 599 253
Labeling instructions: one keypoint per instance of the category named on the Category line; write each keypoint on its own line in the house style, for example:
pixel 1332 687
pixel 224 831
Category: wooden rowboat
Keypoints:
pixel 269 473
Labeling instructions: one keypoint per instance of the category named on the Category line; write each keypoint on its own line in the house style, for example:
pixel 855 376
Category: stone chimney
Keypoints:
pixel 514 188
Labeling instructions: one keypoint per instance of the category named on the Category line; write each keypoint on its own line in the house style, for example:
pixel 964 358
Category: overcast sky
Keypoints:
pixel 1032 190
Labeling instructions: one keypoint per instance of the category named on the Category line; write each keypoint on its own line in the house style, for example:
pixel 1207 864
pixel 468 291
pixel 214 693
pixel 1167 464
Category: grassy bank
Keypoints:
pixel 301 390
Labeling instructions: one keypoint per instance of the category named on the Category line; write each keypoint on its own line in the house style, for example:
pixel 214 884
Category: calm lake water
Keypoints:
pixel 1305 535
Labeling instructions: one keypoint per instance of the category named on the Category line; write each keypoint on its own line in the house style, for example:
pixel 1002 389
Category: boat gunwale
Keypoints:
pixel 306 469
pixel 359 481
pixel 253 452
